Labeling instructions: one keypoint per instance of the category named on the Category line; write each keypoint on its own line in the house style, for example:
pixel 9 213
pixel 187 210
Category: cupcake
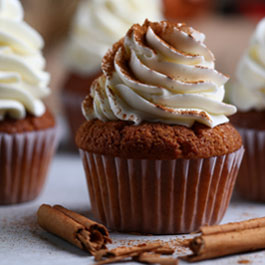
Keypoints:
pixel 247 92
pixel 183 9
pixel 159 153
pixel 97 25
pixel 27 128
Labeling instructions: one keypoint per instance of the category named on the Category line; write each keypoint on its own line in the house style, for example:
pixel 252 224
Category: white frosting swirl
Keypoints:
pixel 248 90
pixel 22 79
pixel 98 24
pixel 161 72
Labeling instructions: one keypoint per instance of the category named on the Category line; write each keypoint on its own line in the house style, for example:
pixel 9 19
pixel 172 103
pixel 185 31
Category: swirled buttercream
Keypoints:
pixel 247 91
pixel 22 80
pixel 160 72
pixel 98 24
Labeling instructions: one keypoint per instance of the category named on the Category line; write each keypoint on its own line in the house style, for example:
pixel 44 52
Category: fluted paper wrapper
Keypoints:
pixel 24 161
pixel 251 177
pixel 160 196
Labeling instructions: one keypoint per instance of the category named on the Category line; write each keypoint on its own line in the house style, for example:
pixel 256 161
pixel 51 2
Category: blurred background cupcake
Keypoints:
pixel 27 127
pixel 247 92
pixel 185 9
pixel 96 26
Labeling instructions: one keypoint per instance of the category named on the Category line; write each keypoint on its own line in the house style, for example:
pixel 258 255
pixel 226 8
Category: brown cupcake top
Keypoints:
pixel 30 123
pixel 252 119
pixel 157 140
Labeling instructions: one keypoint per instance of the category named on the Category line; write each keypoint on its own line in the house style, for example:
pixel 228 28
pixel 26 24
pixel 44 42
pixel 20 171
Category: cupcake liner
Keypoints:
pixel 251 177
pixel 160 196
pixel 24 161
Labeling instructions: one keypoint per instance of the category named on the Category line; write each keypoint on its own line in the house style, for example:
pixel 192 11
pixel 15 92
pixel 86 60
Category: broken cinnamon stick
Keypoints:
pixel 221 240
pixel 152 258
pixel 73 227
pixel 126 251
pixel 113 260
pixel 144 253
pixel 164 250
pixel 230 227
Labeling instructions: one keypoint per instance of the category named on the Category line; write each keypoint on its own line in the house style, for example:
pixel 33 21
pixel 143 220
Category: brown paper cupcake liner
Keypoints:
pixel 160 196
pixel 24 161
pixel 251 177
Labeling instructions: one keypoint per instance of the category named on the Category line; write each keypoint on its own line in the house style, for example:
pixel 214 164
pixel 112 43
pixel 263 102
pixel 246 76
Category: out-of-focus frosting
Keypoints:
pixel 22 79
pixel 99 24
pixel 248 90
pixel 160 72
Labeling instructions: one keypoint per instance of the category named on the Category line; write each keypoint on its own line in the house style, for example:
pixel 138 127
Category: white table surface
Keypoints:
pixel 23 242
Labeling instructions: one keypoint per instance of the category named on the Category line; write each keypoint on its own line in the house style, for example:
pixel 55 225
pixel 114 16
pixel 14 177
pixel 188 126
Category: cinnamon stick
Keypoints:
pixel 114 259
pixel 144 253
pixel 165 250
pixel 152 258
pixel 73 227
pixel 126 252
pixel 235 226
pixel 221 240
pixel 138 249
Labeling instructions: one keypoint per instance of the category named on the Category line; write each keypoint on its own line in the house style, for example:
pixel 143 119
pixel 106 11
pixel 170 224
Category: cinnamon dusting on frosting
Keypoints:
pixel 184 112
pixel 160 71
pixel 160 28
pixel 88 102
pixel 107 64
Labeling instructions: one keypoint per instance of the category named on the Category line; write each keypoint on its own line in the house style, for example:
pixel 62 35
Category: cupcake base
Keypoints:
pixel 251 178
pixel 26 148
pixel 160 196
pixel 24 161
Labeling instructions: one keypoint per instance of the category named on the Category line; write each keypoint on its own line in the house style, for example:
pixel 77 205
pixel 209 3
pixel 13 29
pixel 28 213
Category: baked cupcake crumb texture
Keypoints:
pixel 28 124
pixel 156 140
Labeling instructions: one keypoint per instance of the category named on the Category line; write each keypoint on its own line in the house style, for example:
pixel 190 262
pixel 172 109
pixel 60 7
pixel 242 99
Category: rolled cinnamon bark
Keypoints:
pixel 222 240
pixel 75 228
pixel 144 253
pixel 152 258
pixel 127 251
pixel 164 250
pixel 236 226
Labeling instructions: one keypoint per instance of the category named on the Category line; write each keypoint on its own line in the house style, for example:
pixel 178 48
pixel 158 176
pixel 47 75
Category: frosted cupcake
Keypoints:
pixel 27 128
pixel 159 153
pixel 247 92
pixel 97 25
